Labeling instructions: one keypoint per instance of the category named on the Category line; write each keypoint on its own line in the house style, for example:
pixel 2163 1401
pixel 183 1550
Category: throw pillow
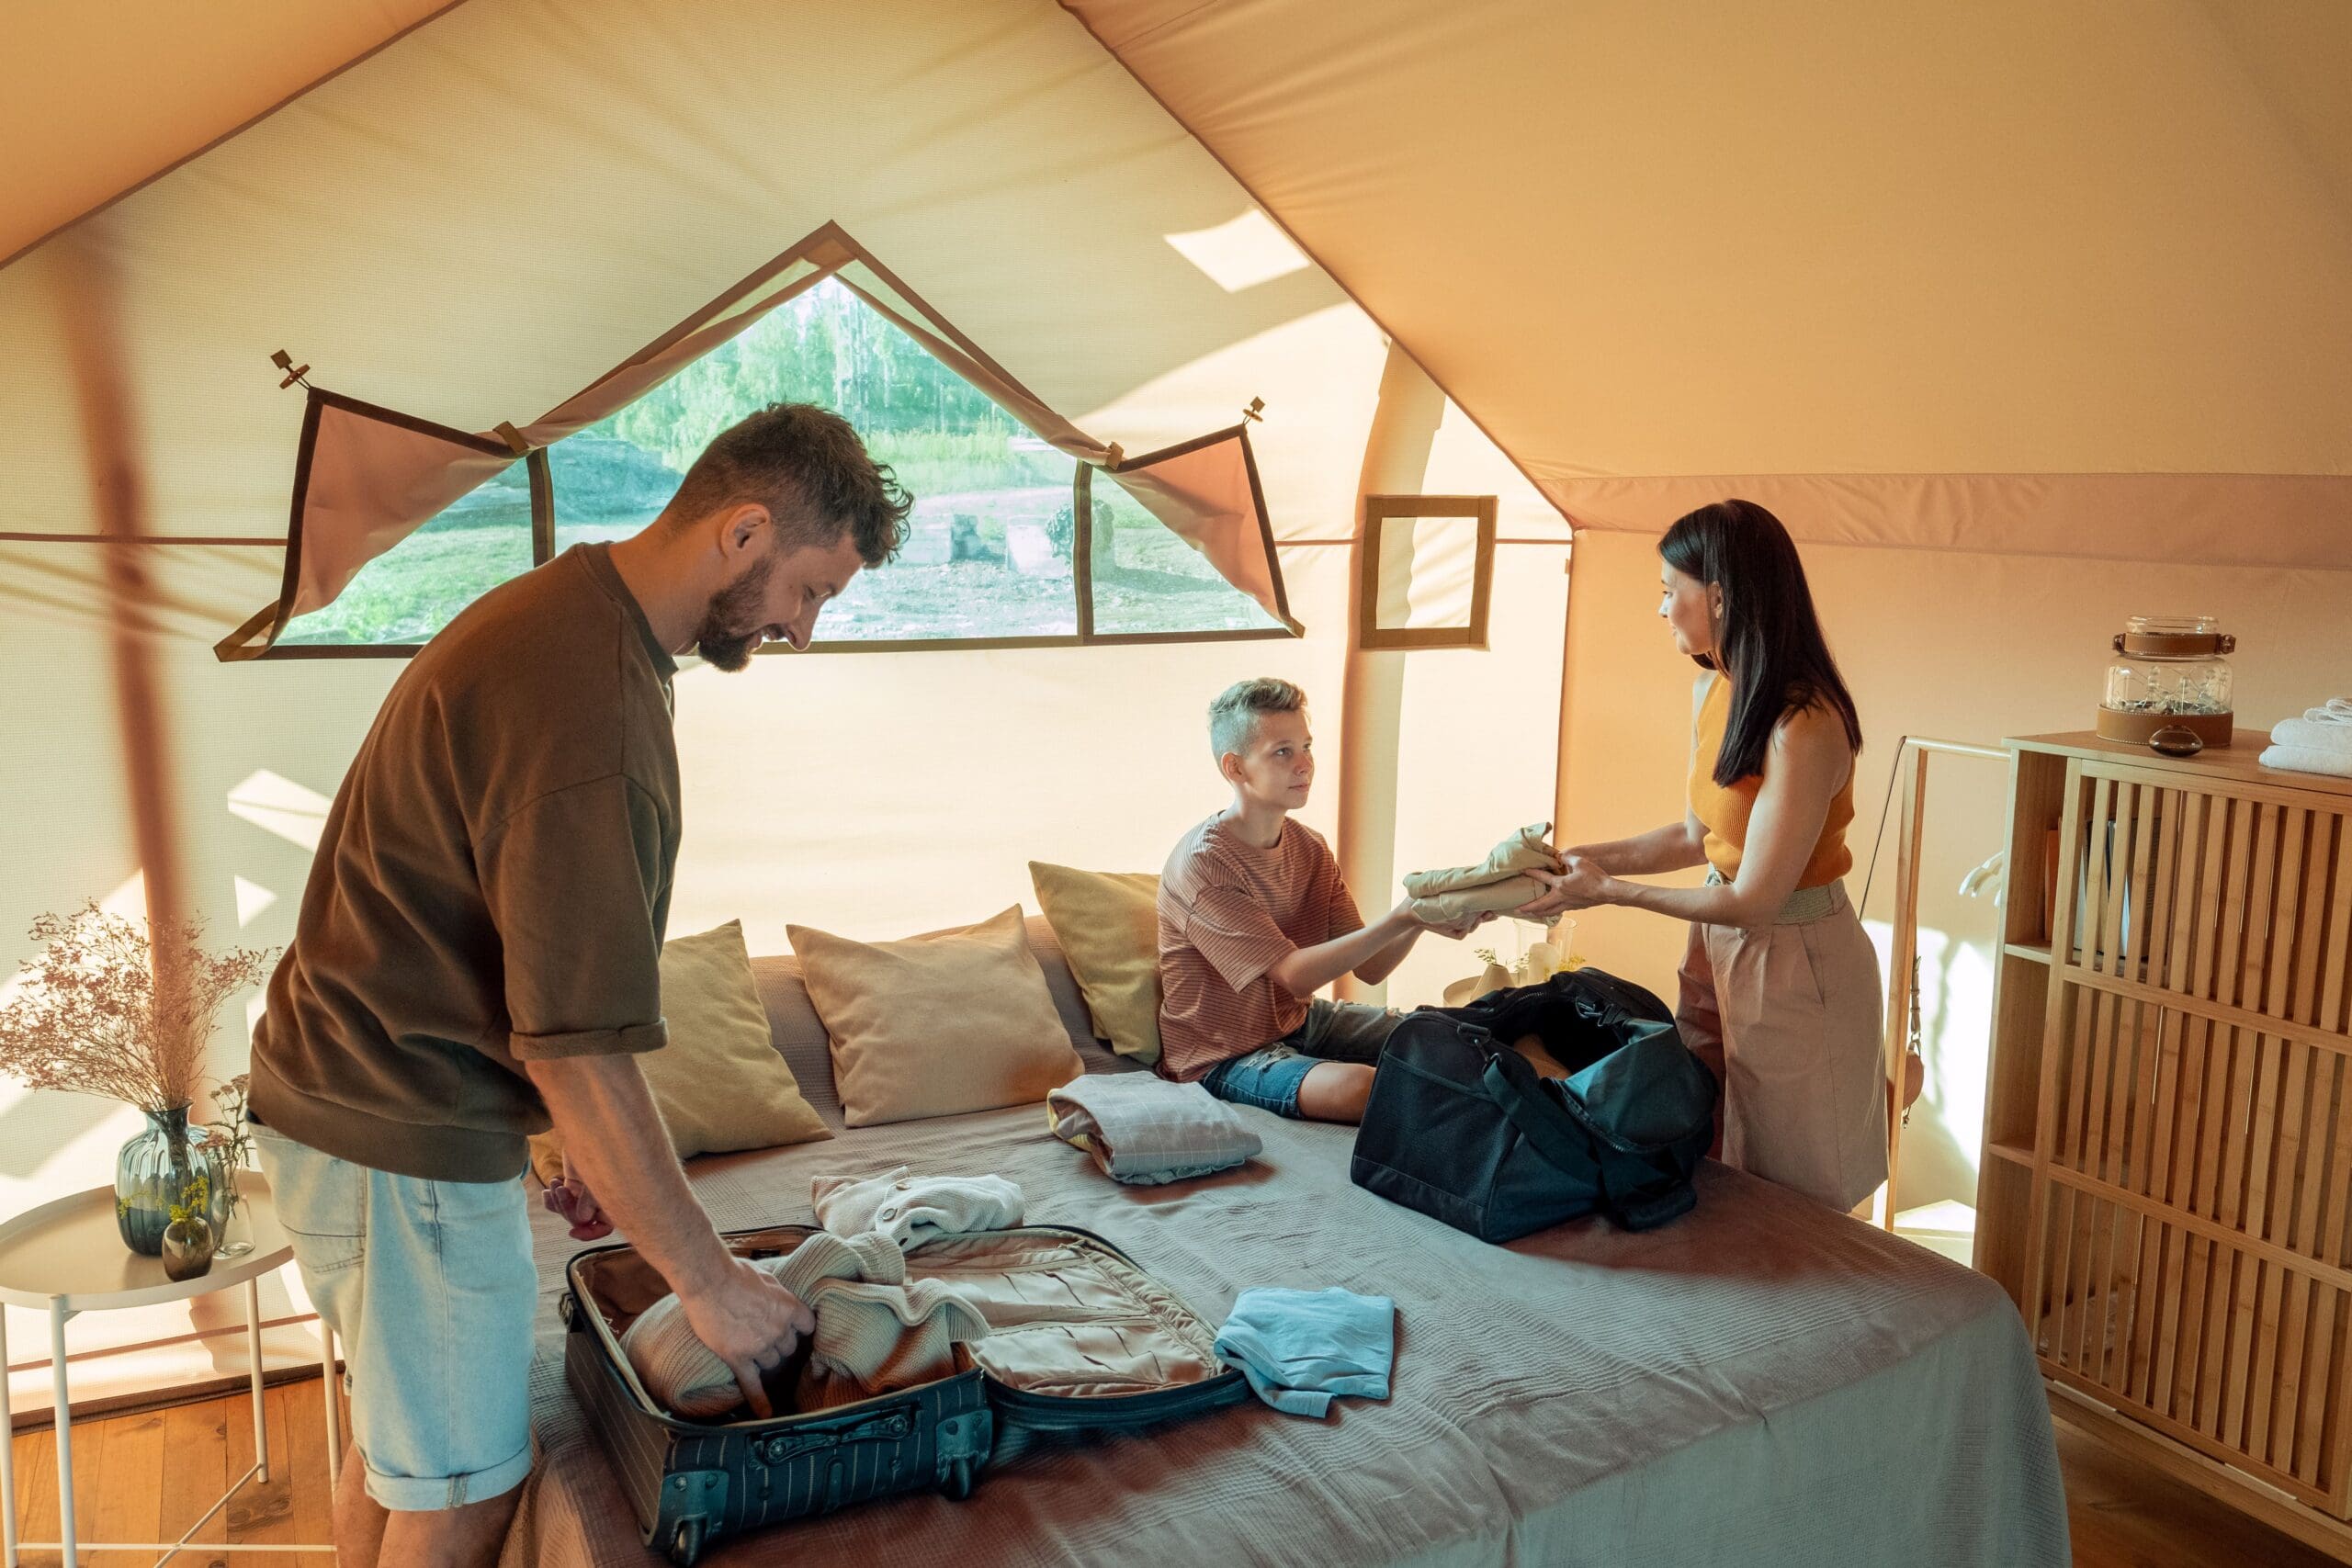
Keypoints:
pixel 1108 924
pixel 936 1025
pixel 719 1083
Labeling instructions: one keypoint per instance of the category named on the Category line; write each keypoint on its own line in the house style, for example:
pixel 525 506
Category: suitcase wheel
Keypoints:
pixel 685 1542
pixel 961 1474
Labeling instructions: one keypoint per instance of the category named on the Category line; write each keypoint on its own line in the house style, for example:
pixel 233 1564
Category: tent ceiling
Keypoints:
pixel 2064 239
pixel 1823 237
pixel 113 94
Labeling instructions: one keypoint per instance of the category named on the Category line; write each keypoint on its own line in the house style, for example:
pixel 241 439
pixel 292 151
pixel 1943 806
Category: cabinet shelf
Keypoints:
pixel 2156 865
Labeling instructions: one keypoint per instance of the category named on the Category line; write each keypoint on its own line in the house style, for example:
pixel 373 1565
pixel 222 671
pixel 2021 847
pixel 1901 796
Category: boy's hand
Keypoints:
pixel 1456 930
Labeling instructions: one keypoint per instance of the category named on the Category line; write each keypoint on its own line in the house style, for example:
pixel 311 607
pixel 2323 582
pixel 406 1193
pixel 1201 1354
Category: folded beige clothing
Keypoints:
pixel 912 1210
pixel 875 1331
pixel 1499 883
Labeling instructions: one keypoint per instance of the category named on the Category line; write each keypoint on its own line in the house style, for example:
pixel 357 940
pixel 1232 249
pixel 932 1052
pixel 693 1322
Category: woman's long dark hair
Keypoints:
pixel 1768 640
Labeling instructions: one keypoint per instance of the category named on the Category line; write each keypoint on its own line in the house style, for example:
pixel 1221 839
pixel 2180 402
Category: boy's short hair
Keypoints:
pixel 1233 717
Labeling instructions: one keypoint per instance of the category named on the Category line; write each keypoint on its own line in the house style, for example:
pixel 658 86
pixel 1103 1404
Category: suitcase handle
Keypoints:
pixel 893 1427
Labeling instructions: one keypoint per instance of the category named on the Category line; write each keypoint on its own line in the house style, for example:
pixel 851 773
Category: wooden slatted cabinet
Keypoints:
pixel 2167 1183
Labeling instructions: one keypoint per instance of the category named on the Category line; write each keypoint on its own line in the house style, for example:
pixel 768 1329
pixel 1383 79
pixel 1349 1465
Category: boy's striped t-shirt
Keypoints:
pixel 1229 912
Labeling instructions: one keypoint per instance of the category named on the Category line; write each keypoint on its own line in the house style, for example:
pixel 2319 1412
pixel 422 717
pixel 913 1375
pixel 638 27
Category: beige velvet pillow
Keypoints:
pixel 1108 924
pixel 719 1083
pixel 936 1025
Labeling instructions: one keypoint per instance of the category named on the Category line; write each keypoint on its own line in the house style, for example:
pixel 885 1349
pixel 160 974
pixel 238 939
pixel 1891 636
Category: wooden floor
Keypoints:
pixel 148 1476
pixel 2123 1514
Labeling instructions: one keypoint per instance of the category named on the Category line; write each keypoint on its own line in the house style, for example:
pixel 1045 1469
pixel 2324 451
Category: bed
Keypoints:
pixel 1759 1382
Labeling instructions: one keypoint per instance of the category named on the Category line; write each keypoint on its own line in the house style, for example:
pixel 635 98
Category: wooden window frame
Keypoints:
pixel 1380 510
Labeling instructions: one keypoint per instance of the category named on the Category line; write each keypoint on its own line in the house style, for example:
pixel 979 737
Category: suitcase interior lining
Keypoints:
pixel 1067 1318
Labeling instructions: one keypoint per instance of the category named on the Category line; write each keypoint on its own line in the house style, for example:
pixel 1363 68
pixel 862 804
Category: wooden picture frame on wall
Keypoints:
pixel 1379 510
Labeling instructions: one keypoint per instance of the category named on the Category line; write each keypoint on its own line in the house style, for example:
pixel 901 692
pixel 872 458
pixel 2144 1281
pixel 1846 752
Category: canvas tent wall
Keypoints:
pixel 2025 317
pixel 997 160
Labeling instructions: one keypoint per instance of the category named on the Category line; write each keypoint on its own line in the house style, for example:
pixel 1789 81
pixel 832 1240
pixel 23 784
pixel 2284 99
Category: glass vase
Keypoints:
pixel 167 1163
pixel 187 1248
pixel 236 1234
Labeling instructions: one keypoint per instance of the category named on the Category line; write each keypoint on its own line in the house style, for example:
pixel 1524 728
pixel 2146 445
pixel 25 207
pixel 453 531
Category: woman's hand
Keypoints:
pixel 1580 884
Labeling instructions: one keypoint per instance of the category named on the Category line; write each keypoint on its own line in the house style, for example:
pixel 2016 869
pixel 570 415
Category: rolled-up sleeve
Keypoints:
pixel 575 882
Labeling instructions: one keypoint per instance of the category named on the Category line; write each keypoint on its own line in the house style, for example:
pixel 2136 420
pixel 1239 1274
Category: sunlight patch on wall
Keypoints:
pixel 1241 253
pixel 251 899
pixel 278 805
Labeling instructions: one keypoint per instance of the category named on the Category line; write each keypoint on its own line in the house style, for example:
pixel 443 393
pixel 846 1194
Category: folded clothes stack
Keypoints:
pixel 2319 743
pixel 1144 1130
pixel 1498 885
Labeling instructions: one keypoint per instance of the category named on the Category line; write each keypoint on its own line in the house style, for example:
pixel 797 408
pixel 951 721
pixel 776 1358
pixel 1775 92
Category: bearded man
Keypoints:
pixel 477 956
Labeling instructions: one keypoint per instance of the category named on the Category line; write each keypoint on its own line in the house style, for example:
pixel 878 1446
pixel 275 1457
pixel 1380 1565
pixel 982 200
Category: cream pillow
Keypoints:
pixel 936 1025
pixel 719 1083
pixel 1108 924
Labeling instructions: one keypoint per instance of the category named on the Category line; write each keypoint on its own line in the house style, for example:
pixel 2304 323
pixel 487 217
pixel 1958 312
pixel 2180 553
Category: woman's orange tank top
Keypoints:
pixel 1724 809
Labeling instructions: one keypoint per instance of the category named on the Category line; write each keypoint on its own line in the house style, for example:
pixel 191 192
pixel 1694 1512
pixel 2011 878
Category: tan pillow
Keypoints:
pixel 936 1025
pixel 719 1083
pixel 1108 924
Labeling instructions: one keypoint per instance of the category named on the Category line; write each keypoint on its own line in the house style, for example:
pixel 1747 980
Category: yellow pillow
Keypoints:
pixel 719 1082
pixel 936 1025
pixel 1108 924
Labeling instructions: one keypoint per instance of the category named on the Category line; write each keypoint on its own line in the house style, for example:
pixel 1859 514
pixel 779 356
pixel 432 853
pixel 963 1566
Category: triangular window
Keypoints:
pixel 1024 531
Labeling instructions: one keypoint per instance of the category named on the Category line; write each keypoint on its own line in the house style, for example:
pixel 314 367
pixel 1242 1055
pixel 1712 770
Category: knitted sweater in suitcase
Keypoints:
pixel 875 1331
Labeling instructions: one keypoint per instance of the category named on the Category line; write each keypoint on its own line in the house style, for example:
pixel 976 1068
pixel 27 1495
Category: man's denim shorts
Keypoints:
pixel 430 1287
pixel 1269 1076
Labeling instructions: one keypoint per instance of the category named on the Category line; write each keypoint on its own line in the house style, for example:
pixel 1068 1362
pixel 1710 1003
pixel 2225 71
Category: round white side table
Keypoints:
pixel 67 1257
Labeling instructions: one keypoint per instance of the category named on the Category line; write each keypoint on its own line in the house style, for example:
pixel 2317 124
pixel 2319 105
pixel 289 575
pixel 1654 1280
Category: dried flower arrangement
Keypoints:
pixel 104 1012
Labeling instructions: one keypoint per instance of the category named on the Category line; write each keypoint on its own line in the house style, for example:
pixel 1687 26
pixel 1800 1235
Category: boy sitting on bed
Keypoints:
pixel 1255 919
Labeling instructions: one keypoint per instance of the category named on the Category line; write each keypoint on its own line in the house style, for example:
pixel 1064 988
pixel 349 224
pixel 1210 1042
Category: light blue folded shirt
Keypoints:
pixel 1298 1348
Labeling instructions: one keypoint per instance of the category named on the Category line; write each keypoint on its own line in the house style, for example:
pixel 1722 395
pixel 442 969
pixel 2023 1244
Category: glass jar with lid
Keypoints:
pixel 2169 672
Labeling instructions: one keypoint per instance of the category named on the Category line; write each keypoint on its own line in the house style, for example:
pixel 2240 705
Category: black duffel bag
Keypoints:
pixel 1463 1128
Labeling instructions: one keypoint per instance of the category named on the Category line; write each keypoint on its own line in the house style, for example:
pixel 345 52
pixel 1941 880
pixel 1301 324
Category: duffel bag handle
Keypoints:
pixel 1570 1157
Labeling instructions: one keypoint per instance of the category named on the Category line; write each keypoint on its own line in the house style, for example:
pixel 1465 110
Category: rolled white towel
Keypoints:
pixel 2307 760
pixel 2336 710
pixel 2312 735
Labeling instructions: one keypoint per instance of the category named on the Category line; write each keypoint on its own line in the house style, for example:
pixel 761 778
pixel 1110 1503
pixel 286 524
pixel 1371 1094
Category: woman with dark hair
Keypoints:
pixel 1779 985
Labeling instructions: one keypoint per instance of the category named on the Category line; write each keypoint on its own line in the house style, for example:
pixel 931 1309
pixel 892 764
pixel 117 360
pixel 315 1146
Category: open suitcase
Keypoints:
pixel 1081 1341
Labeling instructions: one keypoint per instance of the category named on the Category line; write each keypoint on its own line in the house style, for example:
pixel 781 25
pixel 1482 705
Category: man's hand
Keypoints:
pixel 568 1196
pixel 751 1323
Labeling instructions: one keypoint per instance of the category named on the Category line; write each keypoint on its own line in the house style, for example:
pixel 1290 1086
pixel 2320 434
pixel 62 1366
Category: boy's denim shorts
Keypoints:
pixel 1269 1076
pixel 430 1287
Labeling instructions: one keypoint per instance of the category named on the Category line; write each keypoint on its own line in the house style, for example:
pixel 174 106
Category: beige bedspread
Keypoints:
pixel 1761 1382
